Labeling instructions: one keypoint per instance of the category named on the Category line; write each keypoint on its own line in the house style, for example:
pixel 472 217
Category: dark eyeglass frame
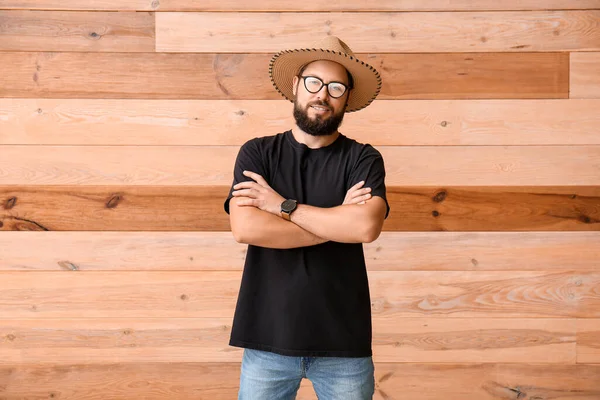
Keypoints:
pixel 346 87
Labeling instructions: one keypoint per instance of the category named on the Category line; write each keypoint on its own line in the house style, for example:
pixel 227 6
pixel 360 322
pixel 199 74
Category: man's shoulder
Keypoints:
pixel 264 141
pixel 359 148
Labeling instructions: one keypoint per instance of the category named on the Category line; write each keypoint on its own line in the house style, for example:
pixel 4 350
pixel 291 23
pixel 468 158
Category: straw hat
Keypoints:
pixel 287 63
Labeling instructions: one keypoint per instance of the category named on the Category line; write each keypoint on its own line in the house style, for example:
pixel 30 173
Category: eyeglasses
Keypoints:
pixel 314 85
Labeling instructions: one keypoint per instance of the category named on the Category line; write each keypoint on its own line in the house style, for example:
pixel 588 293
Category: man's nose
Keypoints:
pixel 323 92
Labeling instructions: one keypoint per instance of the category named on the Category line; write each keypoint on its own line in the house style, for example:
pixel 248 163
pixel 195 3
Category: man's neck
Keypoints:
pixel 314 142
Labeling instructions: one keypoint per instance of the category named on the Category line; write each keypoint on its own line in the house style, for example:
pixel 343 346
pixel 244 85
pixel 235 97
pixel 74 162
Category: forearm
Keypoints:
pixel 260 228
pixel 346 223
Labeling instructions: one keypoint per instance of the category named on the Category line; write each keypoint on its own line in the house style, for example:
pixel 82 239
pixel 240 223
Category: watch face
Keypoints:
pixel 288 205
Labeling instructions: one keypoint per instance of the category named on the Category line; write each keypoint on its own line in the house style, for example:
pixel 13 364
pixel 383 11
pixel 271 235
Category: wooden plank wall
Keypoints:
pixel 119 125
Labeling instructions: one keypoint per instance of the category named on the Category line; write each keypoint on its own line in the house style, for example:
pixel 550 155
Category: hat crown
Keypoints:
pixel 333 43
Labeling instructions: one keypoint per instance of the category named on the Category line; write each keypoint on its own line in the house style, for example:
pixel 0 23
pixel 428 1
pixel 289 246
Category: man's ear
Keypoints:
pixel 294 85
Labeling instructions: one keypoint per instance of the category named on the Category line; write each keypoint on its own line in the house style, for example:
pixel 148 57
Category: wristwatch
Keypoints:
pixel 287 207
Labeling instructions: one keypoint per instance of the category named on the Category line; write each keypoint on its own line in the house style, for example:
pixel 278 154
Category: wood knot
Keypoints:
pixel 114 201
pixel 474 262
pixel 183 297
pixel 39 110
pixel 440 196
pixel 155 4
pixel 444 124
pixel 94 35
pixel 241 112
pixel 435 213
pixel 1 224
pixel 573 196
pixel 11 337
pixel 126 332
pixel 585 219
pixel 67 265
pixel 10 203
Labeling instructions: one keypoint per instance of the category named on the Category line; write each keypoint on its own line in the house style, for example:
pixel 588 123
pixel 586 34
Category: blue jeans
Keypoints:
pixel 270 376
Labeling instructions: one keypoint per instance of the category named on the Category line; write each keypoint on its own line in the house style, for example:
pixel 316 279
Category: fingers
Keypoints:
pixel 245 193
pixel 358 185
pixel 245 201
pixel 360 192
pixel 360 199
pixel 246 185
pixel 259 179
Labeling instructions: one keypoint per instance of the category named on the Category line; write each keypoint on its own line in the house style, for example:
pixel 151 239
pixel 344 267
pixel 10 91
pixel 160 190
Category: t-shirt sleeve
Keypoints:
pixel 248 159
pixel 370 168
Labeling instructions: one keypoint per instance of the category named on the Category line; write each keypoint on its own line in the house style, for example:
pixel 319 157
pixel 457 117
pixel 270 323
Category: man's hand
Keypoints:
pixel 258 194
pixel 356 195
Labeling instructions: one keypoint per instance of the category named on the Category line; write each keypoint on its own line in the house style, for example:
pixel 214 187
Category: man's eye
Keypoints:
pixel 336 88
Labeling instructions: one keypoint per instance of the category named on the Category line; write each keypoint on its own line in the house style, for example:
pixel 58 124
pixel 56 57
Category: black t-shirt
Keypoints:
pixel 307 301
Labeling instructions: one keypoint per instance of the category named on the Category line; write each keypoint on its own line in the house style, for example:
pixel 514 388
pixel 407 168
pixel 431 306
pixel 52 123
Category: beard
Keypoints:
pixel 318 126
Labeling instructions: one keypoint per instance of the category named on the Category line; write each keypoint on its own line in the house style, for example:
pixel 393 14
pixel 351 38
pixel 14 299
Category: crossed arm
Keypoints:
pixel 255 218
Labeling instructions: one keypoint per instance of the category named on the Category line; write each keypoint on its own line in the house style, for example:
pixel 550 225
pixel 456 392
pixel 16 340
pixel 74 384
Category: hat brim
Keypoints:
pixel 286 64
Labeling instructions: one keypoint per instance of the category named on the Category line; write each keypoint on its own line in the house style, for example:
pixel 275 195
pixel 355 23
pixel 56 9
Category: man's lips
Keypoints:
pixel 320 108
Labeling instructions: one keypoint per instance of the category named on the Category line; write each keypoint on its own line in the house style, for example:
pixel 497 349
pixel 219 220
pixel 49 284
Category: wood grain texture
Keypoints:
pixel 200 208
pixel 220 381
pixel 232 122
pixel 588 341
pixel 463 32
pixel 82 5
pixel 76 31
pixel 393 251
pixel 477 294
pixel 108 340
pixel 585 75
pixel 210 294
pixel 245 76
pixel 417 166
pixel 441 340
pixel 311 5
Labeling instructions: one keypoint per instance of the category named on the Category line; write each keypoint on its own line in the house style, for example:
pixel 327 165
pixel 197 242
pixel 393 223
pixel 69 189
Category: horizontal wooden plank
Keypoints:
pixel 588 341
pixel 585 75
pixel 220 381
pixel 311 5
pixel 76 31
pixel 486 340
pixel 417 166
pixel 200 208
pixel 144 294
pixel 189 251
pixel 389 32
pixel 245 76
pixel 440 340
pixel 232 122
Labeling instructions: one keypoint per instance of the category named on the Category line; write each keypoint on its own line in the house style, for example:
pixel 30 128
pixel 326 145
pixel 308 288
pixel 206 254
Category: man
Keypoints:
pixel 304 201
